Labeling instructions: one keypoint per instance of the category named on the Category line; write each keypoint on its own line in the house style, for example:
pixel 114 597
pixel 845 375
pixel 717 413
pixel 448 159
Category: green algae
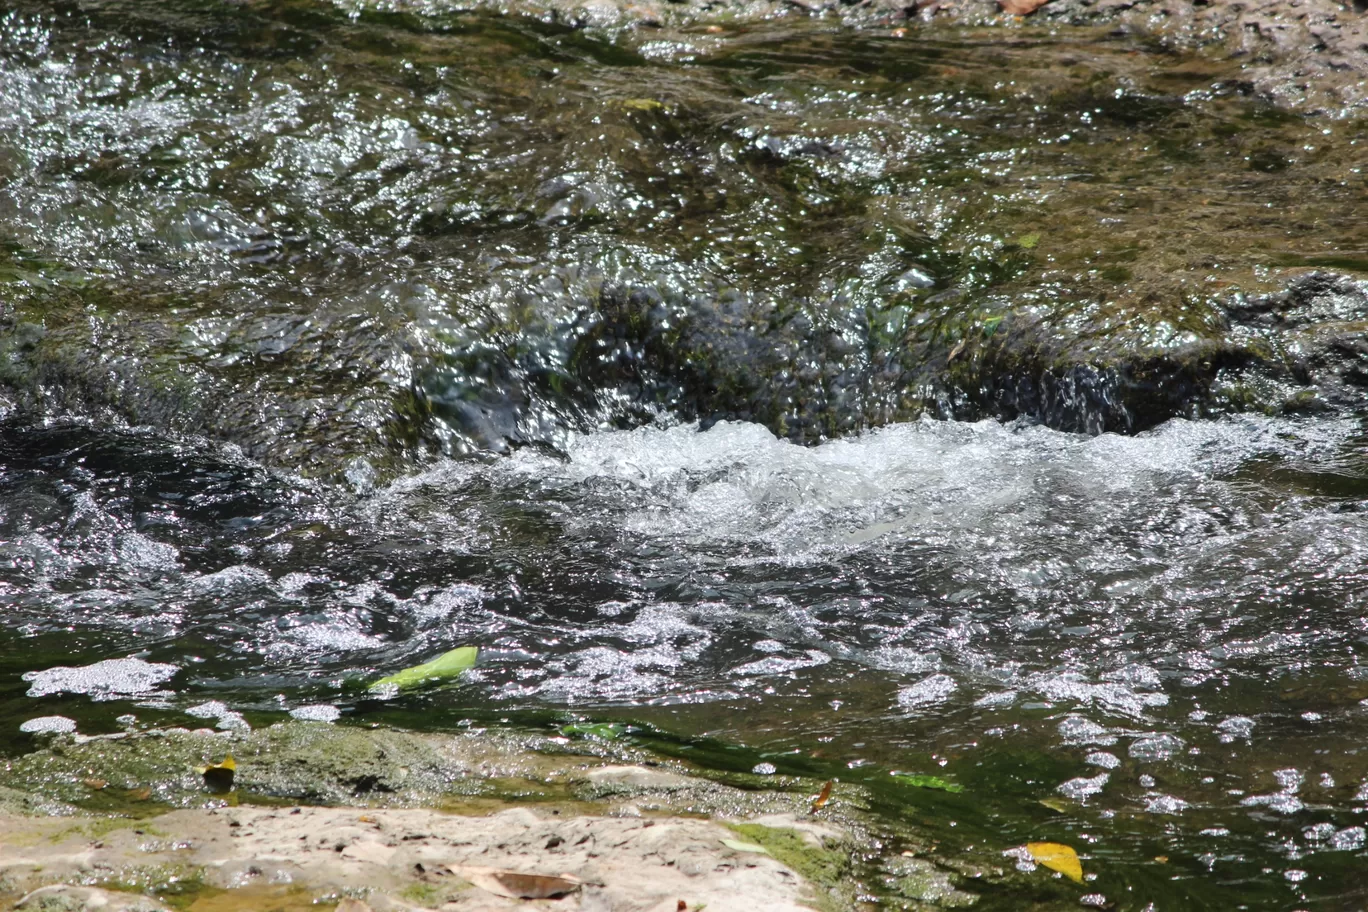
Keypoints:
pixel 828 867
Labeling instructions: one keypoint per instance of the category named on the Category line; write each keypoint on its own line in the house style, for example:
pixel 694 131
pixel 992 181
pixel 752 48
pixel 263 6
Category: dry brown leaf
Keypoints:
pixel 517 885
pixel 823 797
pixel 141 794
pixel 1021 7
pixel 94 783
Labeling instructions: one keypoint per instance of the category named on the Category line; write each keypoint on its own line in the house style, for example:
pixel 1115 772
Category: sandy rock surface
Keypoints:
pixel 400 860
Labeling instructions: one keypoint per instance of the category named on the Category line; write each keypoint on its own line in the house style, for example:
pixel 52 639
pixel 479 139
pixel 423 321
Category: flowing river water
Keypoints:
pixel 374 243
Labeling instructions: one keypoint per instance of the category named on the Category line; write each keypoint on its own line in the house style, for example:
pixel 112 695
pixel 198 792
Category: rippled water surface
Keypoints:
pixel 402 263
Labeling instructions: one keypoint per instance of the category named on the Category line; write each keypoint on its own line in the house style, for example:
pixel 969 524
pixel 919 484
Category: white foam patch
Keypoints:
pixel 48 725
pixel 738 481
pixel 1084 787
pixel 225 718
pixel 111 679
pixel 928 691
pixel 321 713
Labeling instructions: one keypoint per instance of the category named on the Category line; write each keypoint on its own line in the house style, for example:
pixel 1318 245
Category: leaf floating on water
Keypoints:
pixel 219 777
pixel 641 104
pixel 517 885
pixel 604 731
pixel 96 784
pixel 446 666
pixel 1058 805
pixel 1029 240
pixel 928 782
pixel 738 845
pixel 823 796
pixel 141 794
pixel 1021 7
pixel 1057 857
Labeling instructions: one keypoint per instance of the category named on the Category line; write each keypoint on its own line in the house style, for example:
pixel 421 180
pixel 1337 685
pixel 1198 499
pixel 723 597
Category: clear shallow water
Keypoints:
pixel 359 245
pixel 1165 630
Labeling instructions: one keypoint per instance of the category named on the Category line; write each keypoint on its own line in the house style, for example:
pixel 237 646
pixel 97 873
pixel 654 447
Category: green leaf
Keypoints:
pixel 604 731
pixel 1029 240
pixel 446 666
pixel 927 782
pixel 739 846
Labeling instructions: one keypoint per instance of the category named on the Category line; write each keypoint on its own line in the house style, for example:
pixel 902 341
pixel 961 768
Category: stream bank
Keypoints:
pixel 405 821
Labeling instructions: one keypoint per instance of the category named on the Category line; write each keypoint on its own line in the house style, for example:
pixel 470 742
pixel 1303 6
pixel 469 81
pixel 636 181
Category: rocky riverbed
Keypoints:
pixel 961 408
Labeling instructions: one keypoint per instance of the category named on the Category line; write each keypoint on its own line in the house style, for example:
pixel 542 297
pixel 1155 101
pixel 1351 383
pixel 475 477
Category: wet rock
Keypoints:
pixel 1313 338
pixel 406 859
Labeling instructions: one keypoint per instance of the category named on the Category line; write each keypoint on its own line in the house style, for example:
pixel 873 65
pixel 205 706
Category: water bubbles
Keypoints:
pixel 322 712
pixel 1084 787
pixel 225 718
pixel 1078 730
pixel 1349 839
pixel 764 769
pixel 1165 804
pixel 1157 747
pixel 1285 800
pixel 928 691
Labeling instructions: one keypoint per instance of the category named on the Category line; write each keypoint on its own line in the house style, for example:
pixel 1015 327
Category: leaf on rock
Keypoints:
pixel 1021 7
pixel 738 845
pixel 446 666
pixel 219 777
pixel 927 782
pixel 517 885
pixel 1057 857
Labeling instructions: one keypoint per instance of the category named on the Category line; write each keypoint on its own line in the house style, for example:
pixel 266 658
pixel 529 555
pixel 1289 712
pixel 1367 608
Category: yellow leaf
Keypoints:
pixel 641 104
pixel 1057 857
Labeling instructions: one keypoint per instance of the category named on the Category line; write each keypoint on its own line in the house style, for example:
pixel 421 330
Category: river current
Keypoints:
pixel 350 252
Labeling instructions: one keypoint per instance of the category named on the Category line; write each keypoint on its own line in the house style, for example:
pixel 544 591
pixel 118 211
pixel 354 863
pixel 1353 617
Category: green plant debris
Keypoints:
pixel 823 865
pixel 446 667
pixel 602 731
pixel 927 782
